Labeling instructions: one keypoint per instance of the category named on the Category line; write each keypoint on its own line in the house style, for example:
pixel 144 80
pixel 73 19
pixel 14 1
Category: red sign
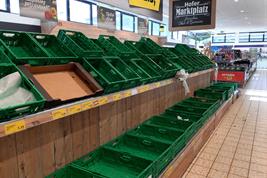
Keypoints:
pixel 231 76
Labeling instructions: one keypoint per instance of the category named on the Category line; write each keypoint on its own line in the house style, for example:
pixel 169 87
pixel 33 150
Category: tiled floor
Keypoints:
pixel 238 147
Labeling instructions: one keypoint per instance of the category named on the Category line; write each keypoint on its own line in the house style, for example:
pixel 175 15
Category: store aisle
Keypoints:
pixel 238 147
pixel 262 63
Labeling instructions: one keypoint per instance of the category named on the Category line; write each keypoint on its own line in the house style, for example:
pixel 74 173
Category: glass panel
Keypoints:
pixel 149 27
pixel 155 30
pixel 80 12
pixel 127 22
pixel 62 10
pixel 94 13
pixel 230 38
pixel 136 24
pixel 118 20
pixel 243 37
pixel 220 38
pixel 265 36
pixel 3 5
pixel 256 37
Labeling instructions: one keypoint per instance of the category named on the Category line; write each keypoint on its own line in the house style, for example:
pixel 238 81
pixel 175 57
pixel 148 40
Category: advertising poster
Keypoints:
pixel 142 26
pixel 106 18
pixel 192 14
pixel 41 9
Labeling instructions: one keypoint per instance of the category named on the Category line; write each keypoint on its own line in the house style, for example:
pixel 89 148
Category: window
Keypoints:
pixel 62 10
pixel 80 12
pixel 128 22
pixel 230 38
pixel 243 37
pixel 3 5
pixel 94 14
pixel 155 28
pixel 256 37
pixel 118 20
pixel 265 36
pixel 219 38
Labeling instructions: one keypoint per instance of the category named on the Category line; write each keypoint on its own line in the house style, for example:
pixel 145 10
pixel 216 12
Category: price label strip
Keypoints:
pixel 60 113
pixel 87 105
pixel 116 97
pixel 15 127
pixel 74 109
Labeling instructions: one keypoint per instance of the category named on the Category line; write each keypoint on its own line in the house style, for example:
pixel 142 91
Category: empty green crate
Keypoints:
pixel 229 90
pixel 21 109
pixel 58 51
pixel 188 127
pixel 145 148
pixel 228 84
pixel 151 45
pixel 113 164
pixel 190 109
pixel 73 172
pixel 115 48
pixel 3 58
pixel 132 78
pixel 210 108
pixel 107 76
pixel 149 70
pixel 22 49
pixel 214 94
pixel 79 43
pixel 215 103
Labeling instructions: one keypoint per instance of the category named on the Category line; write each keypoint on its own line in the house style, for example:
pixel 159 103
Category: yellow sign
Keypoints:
pixel 103 100
pixel 127 93
pixel 157 84
pixel 147 4
pixel 15 127
pixel 59 113
pixel 75 109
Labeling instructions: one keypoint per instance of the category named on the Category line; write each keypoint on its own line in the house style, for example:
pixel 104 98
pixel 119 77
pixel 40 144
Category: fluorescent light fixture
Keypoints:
pixel 236 0
pixel 242 11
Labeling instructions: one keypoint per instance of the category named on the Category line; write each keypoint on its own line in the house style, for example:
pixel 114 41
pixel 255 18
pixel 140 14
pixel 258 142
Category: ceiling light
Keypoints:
pixel 242 11
pixel 236 0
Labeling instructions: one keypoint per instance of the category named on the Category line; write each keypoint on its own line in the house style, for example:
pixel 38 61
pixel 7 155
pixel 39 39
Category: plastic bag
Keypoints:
pixel 9 84
pixel 20 96
pixel 182 76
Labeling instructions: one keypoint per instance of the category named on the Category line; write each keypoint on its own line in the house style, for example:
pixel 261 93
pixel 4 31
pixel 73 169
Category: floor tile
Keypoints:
pixel 217 174
pixel 239 171
pixel 196 169
pixel 204 163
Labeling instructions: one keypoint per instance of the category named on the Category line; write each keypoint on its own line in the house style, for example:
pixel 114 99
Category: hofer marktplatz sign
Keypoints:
pixel 192 14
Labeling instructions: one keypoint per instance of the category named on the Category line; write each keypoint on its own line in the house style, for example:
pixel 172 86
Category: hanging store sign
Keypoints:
pixel 106 18
pixel 192 14
pixel 41 9
pixel 142 26
pixel 147 4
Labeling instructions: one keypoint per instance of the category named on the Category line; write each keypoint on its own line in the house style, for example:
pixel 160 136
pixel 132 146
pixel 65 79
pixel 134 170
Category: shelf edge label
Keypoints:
pixel 15 127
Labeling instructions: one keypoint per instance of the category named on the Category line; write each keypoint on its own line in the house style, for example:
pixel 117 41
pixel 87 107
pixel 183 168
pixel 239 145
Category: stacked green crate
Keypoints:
pixel 113 47
pixel 22 49
pixel 212 93
pixel 59 53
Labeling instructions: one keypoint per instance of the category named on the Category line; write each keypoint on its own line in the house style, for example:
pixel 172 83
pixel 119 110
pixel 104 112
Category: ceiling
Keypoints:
pixel 240 16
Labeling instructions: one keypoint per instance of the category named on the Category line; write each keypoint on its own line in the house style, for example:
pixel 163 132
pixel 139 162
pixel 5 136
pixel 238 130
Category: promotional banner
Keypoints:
pixel 192 14
pixel 106 18
pixel 147 12
pixel 147 4
pixel 142 26
pixel 41 9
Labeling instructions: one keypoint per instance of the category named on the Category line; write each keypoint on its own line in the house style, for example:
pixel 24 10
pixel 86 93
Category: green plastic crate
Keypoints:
pixel 22 49
pixel 79 44
pixel 148 70
pixel 188 127
pixel 132 78
pixel 21 109
pixel 114 47
pixel 3 58
pixel 107 76
pixel 226 84
pixel 215 103
pixel 214 94
pixel 113 164
pixel 229 90
pixel 143 147
pixel 210 107
pixel 151 46
pixel 59 53
pixel 73 172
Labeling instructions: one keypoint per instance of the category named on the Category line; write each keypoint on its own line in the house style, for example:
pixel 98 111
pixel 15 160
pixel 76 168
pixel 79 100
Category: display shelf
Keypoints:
pixel 23 123
pixel 184 159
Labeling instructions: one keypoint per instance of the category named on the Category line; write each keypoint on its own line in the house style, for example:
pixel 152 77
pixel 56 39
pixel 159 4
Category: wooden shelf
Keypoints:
pixel 30 121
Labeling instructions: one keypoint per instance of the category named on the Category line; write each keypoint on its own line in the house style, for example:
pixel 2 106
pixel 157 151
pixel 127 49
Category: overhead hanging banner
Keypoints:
pixel 147 4
pixel 142 26
pixel 41 9
pixel 125 5
pixel 106 18
pixel 192 14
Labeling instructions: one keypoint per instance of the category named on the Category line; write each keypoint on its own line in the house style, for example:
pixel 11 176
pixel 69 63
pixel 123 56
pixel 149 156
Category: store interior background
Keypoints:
pixel 243 27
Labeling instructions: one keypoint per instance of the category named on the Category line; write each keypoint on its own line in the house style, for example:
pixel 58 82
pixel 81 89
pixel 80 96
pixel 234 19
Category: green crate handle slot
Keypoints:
pixel 126 158
pixel 147 142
